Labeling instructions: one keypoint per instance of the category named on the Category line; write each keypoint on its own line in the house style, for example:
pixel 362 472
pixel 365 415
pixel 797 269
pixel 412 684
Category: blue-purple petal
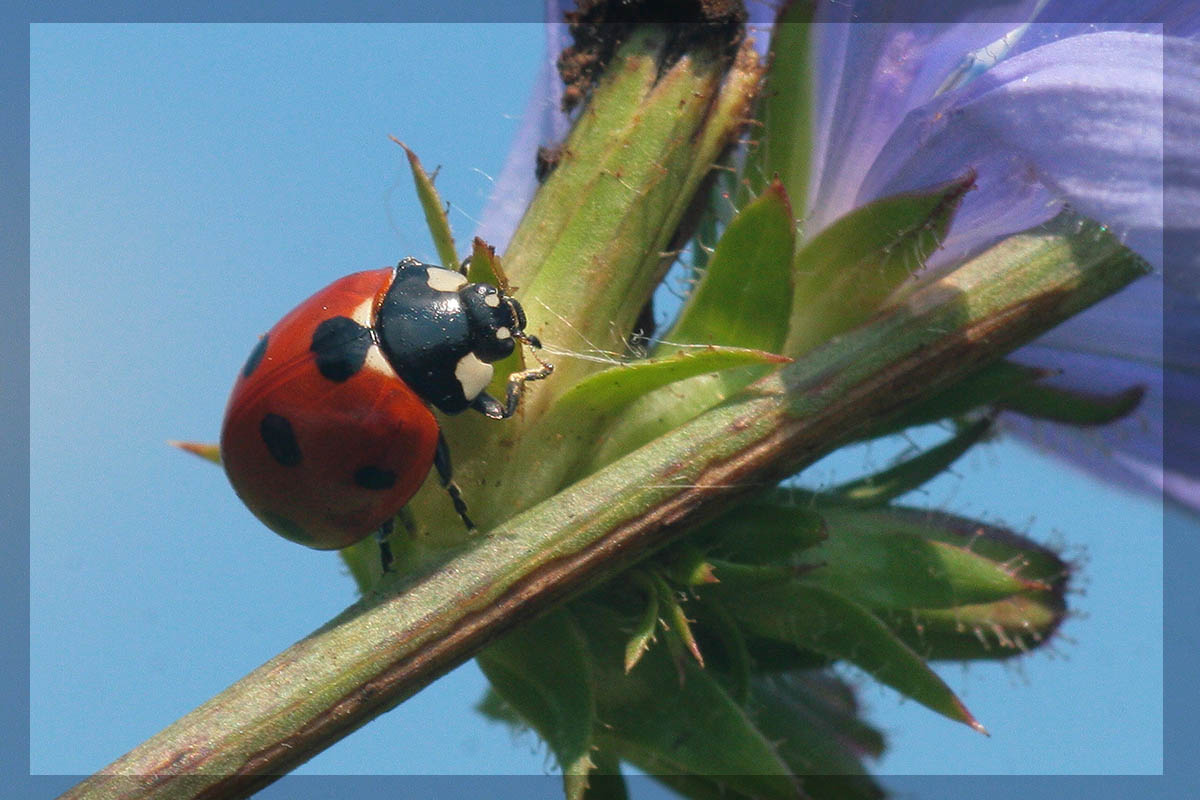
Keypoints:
pixel 1058 111
pixel 869 77
pixel 1078 119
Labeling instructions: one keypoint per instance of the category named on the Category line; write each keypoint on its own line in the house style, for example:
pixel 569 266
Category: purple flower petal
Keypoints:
pixel 869 77
pixel 1058 111
pixel 1077 120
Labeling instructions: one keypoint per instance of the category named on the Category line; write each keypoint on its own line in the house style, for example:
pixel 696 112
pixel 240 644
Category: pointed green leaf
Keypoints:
pixel 435 210
pixel 543 670
pixel 484 265
pixel 849 269
pixel 1069 407
pixel 743 298
pixel 899 564
pixel 785 139
pixel 1025 559
pixel 643 634
pixel 676 618
pixel 671 721
pixel 494 707
pixel 990 386
pixel 882 487
pixel 609 391
pixel 686 565
pixel 815 618
pixel 1003 629
pixel 814 718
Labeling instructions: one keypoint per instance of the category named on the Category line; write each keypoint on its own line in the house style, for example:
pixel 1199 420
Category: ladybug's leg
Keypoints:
pixel 489 406
pixel 441 460
pixel 385 549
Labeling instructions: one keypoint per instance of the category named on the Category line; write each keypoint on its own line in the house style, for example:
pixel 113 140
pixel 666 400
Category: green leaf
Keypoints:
pixel 676 719
pixel 814 717
pixel 1003 629
pixel 815 618
pixel 543 670
pixel 762 533
pixel 743 298
pixel 1024 558
pixel 484 265
pixel 494 707
pixel 676 618
pixel 435 210
pixel 887 562
pixel 643 634
pixel 785 147
pixel 609 391
pixel 882 487
pixel 1070 407
pixel 741 301
pixel 992 385
pixel 846 272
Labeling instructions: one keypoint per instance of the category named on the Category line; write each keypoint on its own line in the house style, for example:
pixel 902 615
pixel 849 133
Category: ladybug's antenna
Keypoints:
pixel 517 380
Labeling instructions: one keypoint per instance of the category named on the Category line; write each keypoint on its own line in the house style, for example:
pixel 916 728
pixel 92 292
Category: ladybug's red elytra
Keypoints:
pixel 329 432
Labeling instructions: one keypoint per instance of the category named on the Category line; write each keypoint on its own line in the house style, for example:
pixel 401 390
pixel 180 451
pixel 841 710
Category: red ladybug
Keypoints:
pixel 329 432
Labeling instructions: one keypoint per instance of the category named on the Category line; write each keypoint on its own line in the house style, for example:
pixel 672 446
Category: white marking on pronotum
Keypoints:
pixel 492 300
pixel 375 360
pixel 445 280
pixel 503 333
pixel 473 375
pixel 378 362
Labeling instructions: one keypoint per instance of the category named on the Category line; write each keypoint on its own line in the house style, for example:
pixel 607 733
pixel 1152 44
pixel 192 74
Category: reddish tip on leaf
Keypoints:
pixel 412 157
pixel 969 718
pixel 777 188
pixel 211 452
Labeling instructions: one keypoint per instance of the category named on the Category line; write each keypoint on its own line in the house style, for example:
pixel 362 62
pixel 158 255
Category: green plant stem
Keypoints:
pixel 392 643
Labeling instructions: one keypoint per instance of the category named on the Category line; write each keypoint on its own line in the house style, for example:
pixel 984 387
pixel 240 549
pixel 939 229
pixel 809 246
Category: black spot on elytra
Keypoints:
pixel 256 357
pixel 340 345
pixel 280 439
pixel 373 477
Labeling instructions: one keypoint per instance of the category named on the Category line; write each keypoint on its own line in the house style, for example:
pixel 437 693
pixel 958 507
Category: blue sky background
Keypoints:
pixel 189 185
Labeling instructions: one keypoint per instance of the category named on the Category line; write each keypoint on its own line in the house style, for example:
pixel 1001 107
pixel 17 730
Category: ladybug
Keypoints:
pixel 329 430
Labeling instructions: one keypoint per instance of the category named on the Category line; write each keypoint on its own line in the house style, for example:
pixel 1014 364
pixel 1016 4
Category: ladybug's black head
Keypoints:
pixel 497 321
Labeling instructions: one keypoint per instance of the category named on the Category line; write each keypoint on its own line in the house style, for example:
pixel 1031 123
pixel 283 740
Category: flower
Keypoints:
pixel 1098 116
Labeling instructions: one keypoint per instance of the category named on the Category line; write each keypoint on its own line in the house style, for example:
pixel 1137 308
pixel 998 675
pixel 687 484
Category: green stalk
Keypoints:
pixel 393 642
pixel 589 251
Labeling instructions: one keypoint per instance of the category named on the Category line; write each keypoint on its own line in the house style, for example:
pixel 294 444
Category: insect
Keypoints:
pixel 329 430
